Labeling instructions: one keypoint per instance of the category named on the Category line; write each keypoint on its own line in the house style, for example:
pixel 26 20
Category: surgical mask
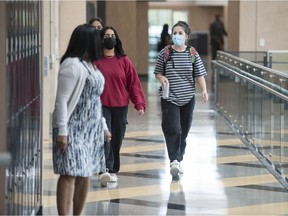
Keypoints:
pixel 109 43
pixel 178 40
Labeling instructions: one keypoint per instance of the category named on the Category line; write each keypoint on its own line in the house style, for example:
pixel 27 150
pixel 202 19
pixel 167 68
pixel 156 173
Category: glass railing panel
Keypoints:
pixel 275 151
pixel 242 105
pixel 265 144
pixel 235 108
pixel 258 116
pixel 283 166
pixel 278 60
pixel 254 100
pixel 249 126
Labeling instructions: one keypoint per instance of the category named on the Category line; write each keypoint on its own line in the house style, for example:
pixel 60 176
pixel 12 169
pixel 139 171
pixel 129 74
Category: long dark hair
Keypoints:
pixel 118 48
pixel 184 25
pixel 96 19
pixel 85 43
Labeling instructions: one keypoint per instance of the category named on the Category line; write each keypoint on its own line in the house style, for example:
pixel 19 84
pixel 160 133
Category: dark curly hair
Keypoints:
pixel 184 25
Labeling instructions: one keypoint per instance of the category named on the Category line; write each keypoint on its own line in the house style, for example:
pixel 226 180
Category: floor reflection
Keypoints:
pixel 176 200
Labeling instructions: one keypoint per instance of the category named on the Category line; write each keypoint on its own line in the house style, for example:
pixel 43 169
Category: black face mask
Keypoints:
pixel 109 43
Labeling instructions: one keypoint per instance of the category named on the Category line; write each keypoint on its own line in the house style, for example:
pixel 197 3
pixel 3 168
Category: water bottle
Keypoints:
pixel 165 91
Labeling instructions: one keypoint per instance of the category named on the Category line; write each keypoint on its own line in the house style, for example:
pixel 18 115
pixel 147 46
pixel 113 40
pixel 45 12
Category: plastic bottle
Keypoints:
pixel 165 91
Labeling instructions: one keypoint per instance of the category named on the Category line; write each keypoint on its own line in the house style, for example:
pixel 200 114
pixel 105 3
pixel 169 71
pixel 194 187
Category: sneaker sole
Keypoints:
pixel 113 180
pixel 174 171
pixel 104 179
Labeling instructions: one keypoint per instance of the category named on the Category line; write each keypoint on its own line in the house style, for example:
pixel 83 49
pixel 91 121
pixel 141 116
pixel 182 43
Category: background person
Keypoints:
pixel 104 176
pixel 78 125
pixel 177 109
pixel 121 85
pixel 217 32
pixel 97 22
pixel 165 38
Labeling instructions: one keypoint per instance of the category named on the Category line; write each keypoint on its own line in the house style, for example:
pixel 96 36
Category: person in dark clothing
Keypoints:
pixel 217 32
pixel 177 109
pixel 97 22
pixel 165 38
pixel 122 85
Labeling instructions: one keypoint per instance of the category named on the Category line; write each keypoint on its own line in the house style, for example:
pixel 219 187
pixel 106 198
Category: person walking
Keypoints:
pixel 78 123
pixel 121 85
pixel 97 22
pixel 177 107
pixel 104 176
pixel 217 32
pixel 165 38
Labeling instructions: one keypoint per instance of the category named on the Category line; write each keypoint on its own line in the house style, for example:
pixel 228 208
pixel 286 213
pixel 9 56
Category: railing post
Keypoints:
pixel 265 63
pixel 270 60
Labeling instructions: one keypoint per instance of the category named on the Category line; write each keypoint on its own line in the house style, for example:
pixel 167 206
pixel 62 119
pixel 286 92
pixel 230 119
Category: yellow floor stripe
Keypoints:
pixel 261 209
pixel 140 191
pixel 228 142
pixel 47 155
pixel 108 194
pixel 47 141
pixel 143 133
pixel 144 148
pixel 142 166
pixel 128 149
pixel 248 180
pixel 235 159
pixel 49 174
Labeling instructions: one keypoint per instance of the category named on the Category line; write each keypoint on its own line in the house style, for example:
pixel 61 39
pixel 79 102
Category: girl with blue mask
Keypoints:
pixel 180 35
pixel 178 40
pixel 176 69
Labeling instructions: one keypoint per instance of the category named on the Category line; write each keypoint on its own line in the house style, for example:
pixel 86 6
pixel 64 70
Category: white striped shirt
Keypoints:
pixel 180 77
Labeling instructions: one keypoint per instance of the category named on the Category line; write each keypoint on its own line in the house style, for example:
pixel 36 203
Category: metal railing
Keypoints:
pixel 254 101
pixel 274 59
pixel 278 60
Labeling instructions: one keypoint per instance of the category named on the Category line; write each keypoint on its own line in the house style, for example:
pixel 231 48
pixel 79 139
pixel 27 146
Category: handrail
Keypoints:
pixel 224 54
pixel 280 95
pixel 274 86
pixel 244 108
pixel 277 51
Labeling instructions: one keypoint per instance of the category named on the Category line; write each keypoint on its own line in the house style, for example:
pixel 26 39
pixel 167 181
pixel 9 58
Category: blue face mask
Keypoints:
pixel 178 40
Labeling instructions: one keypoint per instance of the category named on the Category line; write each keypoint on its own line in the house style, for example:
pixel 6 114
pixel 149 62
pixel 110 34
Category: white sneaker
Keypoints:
pixel 113 177
pixel 174 168
pixel 104 179
pixel 181 170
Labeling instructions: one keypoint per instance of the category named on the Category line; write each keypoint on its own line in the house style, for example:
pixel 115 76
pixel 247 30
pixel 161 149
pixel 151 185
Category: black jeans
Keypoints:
pixel 176 123
pixel 116 119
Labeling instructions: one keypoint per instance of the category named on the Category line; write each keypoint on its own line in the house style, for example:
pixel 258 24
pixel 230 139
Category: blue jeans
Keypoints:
pixel 116 119
pixel 176 123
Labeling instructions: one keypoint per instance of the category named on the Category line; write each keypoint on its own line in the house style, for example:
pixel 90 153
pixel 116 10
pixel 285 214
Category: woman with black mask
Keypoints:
pixel 121 85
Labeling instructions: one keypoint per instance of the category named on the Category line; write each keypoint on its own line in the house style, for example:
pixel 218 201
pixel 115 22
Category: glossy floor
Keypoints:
pixel 221 176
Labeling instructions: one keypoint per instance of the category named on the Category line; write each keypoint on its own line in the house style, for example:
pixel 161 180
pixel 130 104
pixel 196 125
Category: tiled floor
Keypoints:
pixel 221 176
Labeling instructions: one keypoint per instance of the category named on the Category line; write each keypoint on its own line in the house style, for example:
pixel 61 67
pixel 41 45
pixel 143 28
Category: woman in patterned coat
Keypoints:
pixel 78 125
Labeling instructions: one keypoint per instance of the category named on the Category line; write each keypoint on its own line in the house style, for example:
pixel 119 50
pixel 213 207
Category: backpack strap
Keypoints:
pixel 192 53
pixel 166 55
pixel 168 52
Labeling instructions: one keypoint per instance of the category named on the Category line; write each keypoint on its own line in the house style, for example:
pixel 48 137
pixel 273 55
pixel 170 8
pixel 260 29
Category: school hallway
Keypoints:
pixel 221 175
